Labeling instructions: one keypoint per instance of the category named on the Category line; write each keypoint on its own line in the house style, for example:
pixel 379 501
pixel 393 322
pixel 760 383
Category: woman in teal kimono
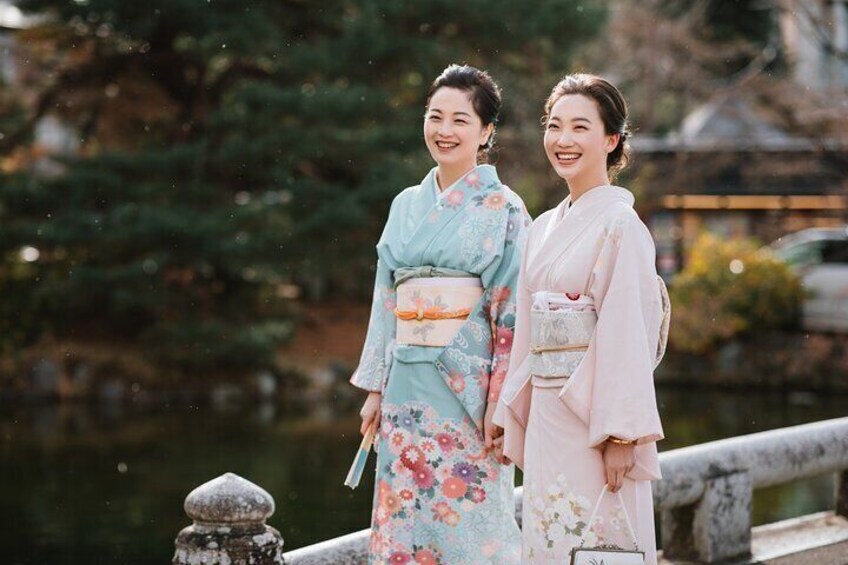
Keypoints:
pixel 441 496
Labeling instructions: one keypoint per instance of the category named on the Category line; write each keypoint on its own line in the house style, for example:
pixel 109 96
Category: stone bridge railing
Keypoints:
pixel 705 501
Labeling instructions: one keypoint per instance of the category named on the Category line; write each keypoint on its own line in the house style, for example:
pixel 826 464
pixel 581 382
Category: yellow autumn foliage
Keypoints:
pixel 729 289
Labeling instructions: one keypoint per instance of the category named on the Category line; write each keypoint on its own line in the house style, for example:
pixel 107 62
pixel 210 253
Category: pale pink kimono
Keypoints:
pixel 553 427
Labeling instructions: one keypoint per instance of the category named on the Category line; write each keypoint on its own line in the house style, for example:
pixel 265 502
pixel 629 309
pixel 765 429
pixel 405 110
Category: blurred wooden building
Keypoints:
pixel 732 168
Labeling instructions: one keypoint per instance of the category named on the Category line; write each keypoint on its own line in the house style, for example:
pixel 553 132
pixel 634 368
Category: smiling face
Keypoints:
pixel 576 142
pixel 453 131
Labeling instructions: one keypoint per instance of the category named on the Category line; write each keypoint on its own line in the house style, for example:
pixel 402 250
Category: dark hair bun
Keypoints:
pixel 611 106
pixel 485 93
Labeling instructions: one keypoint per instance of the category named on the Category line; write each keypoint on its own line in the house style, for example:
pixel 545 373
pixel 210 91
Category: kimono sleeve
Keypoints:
pixel 501 282
pixel 376 360
pixel 374 365
pixel 616 376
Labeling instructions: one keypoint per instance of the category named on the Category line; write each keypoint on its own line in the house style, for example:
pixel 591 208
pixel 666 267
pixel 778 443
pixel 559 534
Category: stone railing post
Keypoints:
pixel 229 527
pixel 717 527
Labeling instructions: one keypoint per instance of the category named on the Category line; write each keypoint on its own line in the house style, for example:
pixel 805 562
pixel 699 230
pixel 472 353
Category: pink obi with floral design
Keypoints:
pixel 431 311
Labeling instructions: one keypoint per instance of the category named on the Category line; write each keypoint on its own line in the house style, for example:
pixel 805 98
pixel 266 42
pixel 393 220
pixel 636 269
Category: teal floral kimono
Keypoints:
pixel 440 497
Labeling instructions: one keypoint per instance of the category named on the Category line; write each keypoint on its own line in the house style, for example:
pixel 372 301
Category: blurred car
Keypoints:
pixel 820 257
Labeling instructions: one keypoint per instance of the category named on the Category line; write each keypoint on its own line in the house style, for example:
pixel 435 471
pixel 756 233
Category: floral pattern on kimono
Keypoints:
pixel 599 247
pixel 559 516
pixel 439 496
pixel 438 470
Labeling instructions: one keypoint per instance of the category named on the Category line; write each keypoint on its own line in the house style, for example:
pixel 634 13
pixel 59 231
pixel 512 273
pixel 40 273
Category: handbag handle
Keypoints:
pixel 595 513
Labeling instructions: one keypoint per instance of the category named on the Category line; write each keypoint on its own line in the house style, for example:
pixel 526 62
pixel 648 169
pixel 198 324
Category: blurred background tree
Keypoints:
pixel 675 54
pixel 225 156
pixel 190 179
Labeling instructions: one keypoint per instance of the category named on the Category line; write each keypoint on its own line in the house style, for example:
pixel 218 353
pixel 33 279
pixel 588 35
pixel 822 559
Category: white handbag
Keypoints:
pixel 608 554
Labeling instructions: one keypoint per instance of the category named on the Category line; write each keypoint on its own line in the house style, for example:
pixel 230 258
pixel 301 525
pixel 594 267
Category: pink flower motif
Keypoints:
pixel 398 440
pixel 446 442
pixel 391 503
pixel 423 477
pixel 419 301
pixel 383 489
pixel 425 557
pixel 503 341
pixel 457 383
pixel 454 198
pixel 495 201
pixel 398 468
pixel 473 180
pixel 440 511
pixel 443 473
pixel 478 494
pixel 427 445
pixel 454 487
pixel 399 558
pixel 412 457
pixel 452 519
pixel 599 528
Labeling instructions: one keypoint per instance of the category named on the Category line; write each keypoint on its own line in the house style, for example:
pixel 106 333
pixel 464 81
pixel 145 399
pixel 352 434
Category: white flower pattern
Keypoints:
pixel 557 516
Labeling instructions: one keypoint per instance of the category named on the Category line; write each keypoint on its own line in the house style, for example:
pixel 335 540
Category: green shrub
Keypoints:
pixel 729 289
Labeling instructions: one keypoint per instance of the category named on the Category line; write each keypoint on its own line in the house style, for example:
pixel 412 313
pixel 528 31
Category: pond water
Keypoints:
pixel 90 484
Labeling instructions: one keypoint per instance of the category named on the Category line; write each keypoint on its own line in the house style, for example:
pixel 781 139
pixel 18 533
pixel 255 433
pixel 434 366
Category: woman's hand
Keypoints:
pixel 493 434
pixel 371 412
pixel 618 461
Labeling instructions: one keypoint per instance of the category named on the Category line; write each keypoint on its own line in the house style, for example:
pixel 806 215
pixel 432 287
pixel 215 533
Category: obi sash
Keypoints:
pixel 561 326
pixel 433 304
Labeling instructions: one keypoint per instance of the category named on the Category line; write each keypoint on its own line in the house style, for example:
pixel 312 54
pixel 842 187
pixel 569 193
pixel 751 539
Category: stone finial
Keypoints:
pixel 229 499
pixel 229 515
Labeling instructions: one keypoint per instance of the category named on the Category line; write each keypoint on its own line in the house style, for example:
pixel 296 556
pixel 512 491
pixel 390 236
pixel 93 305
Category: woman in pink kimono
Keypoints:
pixel 578 407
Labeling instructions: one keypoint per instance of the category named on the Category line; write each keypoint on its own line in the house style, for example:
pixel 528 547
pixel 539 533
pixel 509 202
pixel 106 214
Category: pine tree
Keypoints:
pixel 232 149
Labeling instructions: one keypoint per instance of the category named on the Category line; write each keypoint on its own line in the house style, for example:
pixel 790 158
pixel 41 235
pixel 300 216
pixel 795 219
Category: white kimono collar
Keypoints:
pixel 594 195
pixel 567 223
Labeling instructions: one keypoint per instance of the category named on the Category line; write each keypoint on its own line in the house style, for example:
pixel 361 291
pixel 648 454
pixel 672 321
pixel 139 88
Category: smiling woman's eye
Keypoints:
pixel 580 128
pixel 551 126
pixel 433 118
pixel 461 122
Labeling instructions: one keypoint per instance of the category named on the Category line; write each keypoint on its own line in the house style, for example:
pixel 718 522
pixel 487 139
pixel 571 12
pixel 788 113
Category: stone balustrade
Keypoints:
pixel 705 501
